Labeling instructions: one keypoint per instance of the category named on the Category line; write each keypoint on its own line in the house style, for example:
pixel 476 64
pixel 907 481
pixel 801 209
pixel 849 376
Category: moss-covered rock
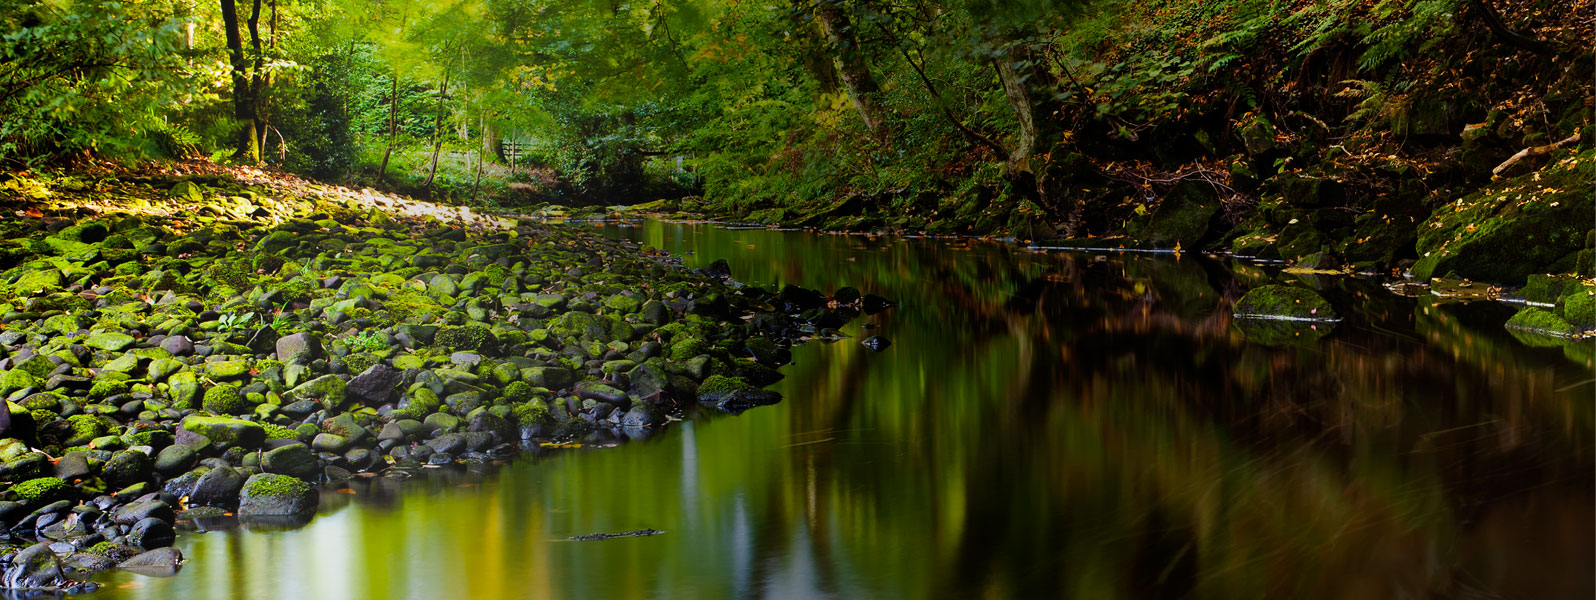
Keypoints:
pixel 1514 228
pixel 277 495
pixel 1541 321
pixel 223 430
pixel 1284 302
pixel 42 491
pixel 226 400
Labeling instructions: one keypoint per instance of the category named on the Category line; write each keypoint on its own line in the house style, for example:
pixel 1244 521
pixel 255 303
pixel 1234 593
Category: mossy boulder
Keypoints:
pixel 733 394
pixel 471 338
pixel 330 390
pixel 1541 321
pixel 110 341
pixel 1284 302
pixel 1181 218
pixel 43 490
pixel 277 495
pixel 228 431
pixel 1579 308
pixel 127 468
pixel 226 400
pixel 1514 228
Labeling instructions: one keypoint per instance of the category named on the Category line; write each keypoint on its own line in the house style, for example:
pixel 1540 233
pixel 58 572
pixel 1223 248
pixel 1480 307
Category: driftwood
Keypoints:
pixel 1533 151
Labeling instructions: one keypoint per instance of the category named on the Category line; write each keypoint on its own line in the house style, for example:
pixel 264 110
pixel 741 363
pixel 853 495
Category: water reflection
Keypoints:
pixel 1043 426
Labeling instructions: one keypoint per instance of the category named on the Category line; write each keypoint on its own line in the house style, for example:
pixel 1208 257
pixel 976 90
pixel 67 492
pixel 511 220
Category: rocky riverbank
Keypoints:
pixel 205 349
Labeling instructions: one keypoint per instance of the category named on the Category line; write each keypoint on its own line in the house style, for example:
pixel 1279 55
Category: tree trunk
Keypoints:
pixel 852 68
pixel 1493 20
pixel 257 87
pixel 243 97
pixel 1018 72
pixel 437 129
pixel 393 127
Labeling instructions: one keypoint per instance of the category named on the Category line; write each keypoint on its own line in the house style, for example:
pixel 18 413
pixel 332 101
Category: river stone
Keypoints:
pixel 136 511
pixel 553 378
pixel 159 562
pixel 126 468
pixel 642 414
pixel 300 348
pixel 330 442
pixel 175 460
pixel 448 443
pixel 276 495
pixel 109 342
pixel 378 384
pixel 151 533
pixel 73 466
pixel 331 390
pixel 34 568
pixel 224 430
pixel 185 388
pixel 217 487
pixel 178 345
pixel 293 459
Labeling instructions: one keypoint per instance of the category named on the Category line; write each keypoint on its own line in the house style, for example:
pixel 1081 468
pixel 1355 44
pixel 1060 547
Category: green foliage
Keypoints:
pixel 94 75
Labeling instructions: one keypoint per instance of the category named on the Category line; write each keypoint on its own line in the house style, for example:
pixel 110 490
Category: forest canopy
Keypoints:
pixel 1176 122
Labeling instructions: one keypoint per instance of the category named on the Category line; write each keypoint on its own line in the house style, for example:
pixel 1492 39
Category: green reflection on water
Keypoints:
pixel 1043 426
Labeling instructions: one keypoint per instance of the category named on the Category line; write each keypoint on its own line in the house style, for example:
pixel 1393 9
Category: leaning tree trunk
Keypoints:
pixel 243 96
pixel 437 130
pixel 393 127
pixel 1034 110
pixel 852 68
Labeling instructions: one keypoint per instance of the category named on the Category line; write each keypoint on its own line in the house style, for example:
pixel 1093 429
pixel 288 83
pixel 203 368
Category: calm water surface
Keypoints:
pixel 1043 426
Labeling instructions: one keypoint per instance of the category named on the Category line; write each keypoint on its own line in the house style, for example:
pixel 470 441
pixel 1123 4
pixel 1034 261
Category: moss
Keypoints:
pixel 17 379
pixel 1579 308
pixel 1513 228
pixel 105 389
pixel 719 385
pixel 464 337
pixel 531 413
pixel 517 392
pixel 278 432
pixel 42 490
pixel 687 347
pixel 88 427
pixel 225 400
pixel 1283 301
pixel 276 485
pixel 418 405
pixel 408 303
pixel 105 548
pixel 1537 320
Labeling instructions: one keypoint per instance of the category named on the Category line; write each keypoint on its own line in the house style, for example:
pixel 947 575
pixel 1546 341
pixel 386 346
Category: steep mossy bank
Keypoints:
pixel 186 364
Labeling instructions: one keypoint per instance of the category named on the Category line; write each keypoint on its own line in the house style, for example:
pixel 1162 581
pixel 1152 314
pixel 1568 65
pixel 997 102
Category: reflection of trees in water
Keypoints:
pixel 1126 439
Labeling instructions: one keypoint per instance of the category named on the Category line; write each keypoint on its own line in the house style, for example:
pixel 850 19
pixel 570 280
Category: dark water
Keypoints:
pixel 1043 426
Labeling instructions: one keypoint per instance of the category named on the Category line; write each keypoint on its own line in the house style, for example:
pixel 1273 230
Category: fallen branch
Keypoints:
pixel 1533 151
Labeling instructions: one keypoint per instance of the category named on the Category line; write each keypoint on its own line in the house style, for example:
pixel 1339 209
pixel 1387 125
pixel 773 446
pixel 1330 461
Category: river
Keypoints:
pixel 1043 425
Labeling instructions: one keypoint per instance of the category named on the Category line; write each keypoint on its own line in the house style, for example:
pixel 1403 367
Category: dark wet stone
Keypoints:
pixel 178 345
pixel 73 466
pixel 292 459
pixel 36 567
pixel 175 460
pixel 139 511
pixel 218 487
pixel 447 443
pixel 642 414
pixel 151 533
pixel 159 562
pixel 876 343
pixel 376 385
